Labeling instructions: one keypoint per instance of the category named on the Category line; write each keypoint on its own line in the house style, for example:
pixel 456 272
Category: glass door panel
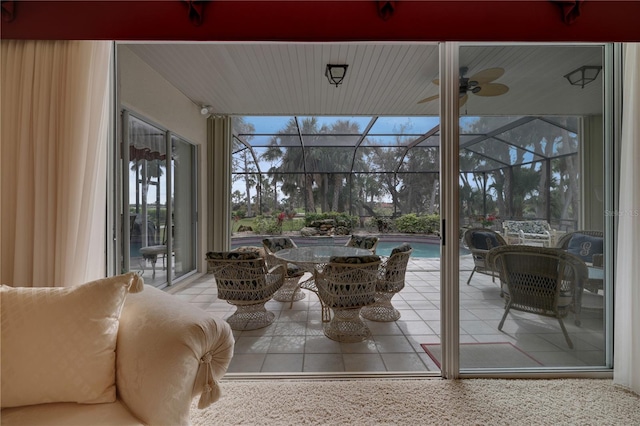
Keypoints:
pixel 162 198
pixel 147 201
pixel 531 184
pixel 183 190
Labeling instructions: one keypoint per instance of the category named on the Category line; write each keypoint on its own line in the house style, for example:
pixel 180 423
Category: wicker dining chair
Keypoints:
pixel 540 280
pixel 244 281
pixel 390 282
pixel 345 285
pixel 479 241
pixel 367 242
pixel 290 290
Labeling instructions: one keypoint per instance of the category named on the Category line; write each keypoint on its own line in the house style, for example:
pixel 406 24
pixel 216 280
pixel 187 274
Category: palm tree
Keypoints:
pixel 285 147
pixel 336 158
pixel 243 161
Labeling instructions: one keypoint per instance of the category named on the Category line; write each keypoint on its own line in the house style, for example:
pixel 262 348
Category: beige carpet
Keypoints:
pixel 422 402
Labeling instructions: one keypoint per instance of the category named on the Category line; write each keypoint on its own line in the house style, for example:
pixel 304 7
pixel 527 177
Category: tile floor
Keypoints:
pixel 295 343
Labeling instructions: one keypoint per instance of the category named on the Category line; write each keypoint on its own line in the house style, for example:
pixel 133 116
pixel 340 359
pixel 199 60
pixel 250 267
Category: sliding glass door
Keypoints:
pixel 183 206
pixel 161 215
pixel 531 181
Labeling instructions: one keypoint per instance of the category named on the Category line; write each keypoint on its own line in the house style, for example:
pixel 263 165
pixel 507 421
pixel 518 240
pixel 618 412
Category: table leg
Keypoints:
pixel 153 258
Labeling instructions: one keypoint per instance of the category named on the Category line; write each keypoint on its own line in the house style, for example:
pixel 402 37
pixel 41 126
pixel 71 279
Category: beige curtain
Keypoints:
pixel 53 161
pixel 626 360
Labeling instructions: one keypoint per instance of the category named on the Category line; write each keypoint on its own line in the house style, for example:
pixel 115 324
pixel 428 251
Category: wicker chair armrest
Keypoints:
pixel 483 252
pixel 598 260
pixel 280 269
pixel 318 272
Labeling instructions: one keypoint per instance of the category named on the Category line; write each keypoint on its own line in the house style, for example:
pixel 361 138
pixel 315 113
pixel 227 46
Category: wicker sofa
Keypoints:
pixel 532 232
pixel 162 352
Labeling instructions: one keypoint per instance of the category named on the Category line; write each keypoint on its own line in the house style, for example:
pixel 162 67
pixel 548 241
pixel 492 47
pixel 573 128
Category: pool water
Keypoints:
pixel 426 250
pixel 419 249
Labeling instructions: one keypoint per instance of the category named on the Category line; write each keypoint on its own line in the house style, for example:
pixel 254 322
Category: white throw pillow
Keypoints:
pixel 58 343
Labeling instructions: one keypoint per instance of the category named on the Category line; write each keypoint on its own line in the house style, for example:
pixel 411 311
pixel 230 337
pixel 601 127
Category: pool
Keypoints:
pixel 419 249
pixel 422 249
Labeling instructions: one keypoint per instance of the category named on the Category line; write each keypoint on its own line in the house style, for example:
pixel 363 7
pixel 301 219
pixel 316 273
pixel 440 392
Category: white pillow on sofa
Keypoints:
pixel 58 343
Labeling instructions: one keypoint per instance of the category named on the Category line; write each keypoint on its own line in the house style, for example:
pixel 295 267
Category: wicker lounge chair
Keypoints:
pixel 364 242
pixel 589 246
pixel 540 280
pixel 479 241
pixel 391 281
pixel 290 291
pixel 244 281
pixel 345 285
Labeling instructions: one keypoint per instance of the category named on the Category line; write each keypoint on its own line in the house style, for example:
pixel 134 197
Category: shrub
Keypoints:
pixel 414 224
pixel 292 225
pixel 267 225
pixel 382 224
pixel 240 213
pixel 342 219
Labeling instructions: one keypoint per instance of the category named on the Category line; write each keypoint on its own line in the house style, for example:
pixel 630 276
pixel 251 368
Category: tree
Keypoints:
pixel 318 170
pixel 285 146
pixel 337 160
pixel 243 163
pixel 522 187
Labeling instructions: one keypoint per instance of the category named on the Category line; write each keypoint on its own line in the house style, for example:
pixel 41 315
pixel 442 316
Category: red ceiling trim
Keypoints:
pixel 322 21
pixel 386 9
pixel 196 11
pixel 8 10
pixel 570 10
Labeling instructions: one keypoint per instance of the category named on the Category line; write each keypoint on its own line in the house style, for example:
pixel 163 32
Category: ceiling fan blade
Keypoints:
pixel 492 89
pixel 488 75
pixel 463 100
pixel 430 98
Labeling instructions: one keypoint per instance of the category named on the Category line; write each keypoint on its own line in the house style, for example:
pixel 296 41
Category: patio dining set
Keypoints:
pixel 351 282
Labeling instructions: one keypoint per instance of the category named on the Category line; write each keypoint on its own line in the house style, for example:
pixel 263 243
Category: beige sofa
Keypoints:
pixel 167 353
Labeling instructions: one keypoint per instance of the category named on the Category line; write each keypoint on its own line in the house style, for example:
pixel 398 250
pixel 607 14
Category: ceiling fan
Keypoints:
pixel 479 84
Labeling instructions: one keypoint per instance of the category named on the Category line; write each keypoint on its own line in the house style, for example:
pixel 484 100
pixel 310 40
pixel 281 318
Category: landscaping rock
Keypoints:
pixel 308 231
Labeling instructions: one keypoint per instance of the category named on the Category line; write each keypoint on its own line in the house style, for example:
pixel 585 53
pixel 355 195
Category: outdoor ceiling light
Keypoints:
pixel 583 75
pixel 335 73
pixel 206 109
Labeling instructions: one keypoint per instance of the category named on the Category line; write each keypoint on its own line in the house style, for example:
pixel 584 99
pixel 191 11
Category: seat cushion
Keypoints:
pixel 402 248
pixel 278 243
pixel 70 414
pixel 58 343
pixel 361 241
pixel 251 249
pixel 354 259
pixel 484 240
pixel 585 246
pixel 233 255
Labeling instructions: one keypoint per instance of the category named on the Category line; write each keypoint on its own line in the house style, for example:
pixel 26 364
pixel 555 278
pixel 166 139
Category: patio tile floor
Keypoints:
pixel 295 343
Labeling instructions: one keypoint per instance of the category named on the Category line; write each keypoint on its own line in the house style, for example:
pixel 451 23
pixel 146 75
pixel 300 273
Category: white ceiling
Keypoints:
pixel 382 78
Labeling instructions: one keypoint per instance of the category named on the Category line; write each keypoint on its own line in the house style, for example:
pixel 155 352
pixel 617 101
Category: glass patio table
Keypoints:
pixel 308 258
